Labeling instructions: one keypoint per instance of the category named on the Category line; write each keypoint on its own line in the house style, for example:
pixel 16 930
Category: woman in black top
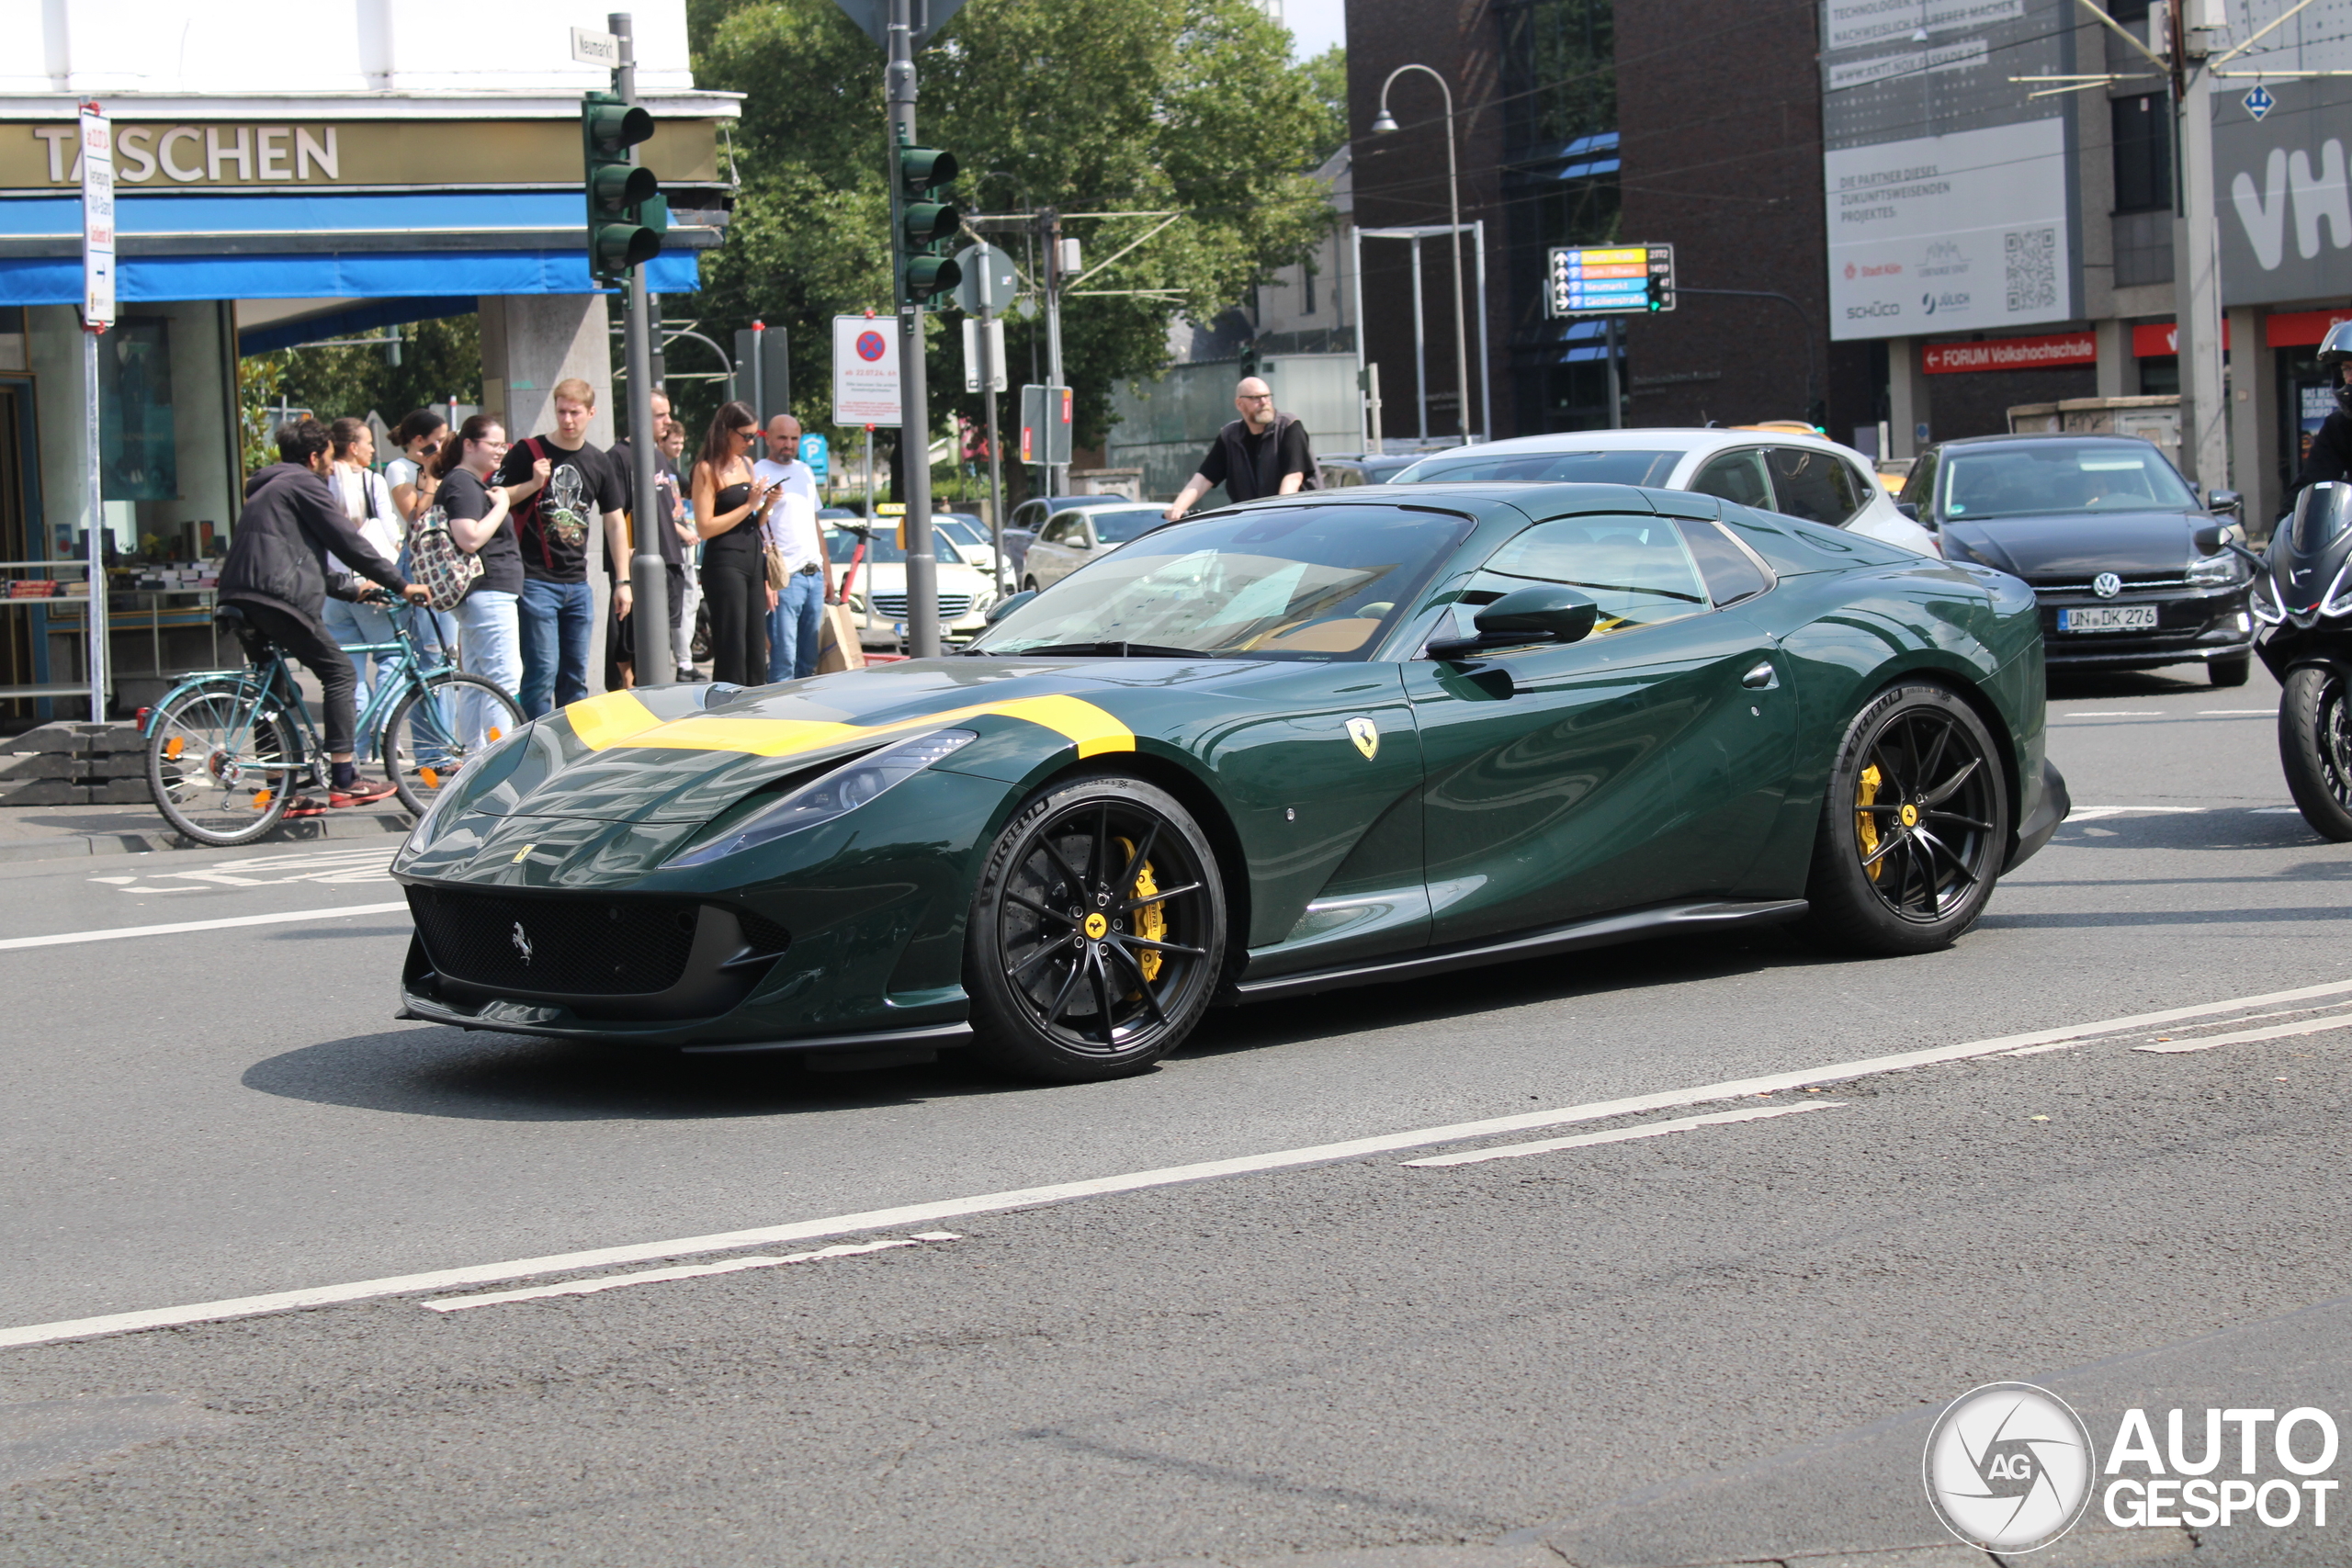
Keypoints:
pixel 489 635
pixel 730 501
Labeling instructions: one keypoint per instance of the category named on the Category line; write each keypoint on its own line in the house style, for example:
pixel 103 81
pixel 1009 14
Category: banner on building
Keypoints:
pixel 1946 180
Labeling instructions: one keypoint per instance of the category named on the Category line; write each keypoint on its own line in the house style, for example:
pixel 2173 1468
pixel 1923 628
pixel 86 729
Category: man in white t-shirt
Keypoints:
pixel 791 525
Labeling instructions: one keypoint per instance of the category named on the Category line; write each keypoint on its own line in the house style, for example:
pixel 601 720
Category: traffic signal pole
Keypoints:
pixel 914 404
pixel 648 575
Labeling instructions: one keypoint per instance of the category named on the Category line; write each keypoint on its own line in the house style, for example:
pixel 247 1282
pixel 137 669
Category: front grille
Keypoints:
pixel 556 946
pixel 952 606
pixel 2130 584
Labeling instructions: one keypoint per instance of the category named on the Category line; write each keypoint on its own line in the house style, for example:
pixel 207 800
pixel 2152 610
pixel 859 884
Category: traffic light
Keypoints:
pixel 927 224
pixel 1656 291
pixel 627 215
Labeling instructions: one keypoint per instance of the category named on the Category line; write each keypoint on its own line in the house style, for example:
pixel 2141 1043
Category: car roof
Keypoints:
pixel 2032 435
pixel 1684 438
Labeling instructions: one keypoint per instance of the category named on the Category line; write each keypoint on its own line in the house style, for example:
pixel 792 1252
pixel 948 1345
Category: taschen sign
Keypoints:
pixel 2010 354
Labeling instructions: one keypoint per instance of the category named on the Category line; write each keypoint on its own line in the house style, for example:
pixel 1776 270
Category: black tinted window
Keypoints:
pixel 1815 486
pixel 1736 475
pixel 1920 485
pixel 1731 575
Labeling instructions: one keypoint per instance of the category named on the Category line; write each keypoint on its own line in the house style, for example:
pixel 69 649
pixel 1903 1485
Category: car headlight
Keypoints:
pixel 2213 571
pixel 832 794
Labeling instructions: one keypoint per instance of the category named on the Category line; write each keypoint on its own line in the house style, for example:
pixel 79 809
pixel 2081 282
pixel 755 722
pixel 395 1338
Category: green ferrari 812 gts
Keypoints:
pixel 1313 742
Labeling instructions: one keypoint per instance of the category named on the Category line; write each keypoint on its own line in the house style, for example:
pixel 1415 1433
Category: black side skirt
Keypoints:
pixel 1632 926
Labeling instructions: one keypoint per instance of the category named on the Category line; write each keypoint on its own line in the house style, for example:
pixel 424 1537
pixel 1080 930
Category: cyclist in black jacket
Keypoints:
pixel 2330 457
pixel 276 577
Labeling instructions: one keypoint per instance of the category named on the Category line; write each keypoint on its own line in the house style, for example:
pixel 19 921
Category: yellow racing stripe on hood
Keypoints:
pixel 618 718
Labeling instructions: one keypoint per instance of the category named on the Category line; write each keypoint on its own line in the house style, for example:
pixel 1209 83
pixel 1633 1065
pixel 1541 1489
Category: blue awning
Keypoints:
pixel 297 246
pixel 364 276
pixel 353 319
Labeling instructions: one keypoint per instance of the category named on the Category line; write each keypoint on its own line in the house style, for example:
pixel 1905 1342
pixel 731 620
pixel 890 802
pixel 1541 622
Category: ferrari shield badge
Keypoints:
pixel 1366 735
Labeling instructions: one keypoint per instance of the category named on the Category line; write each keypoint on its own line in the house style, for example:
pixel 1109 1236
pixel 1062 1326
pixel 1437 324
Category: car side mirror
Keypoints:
pixel 2227 500
pixel 1909 509
pixel 2209 539
pixel 999 611
pixel 1544 613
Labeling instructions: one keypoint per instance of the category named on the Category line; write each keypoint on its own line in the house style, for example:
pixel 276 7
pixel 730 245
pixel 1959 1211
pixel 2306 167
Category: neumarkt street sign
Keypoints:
pixel 1600 280
pixel 874 15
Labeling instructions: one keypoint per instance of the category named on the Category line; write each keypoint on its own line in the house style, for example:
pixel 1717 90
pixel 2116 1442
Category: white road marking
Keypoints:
pixel 64 939
pixel 2117 713
pixel 1134 1181
pixel 2093 813
pixel 372 864
pixel 2277 810
pixel 2238 713
pixel 1626 1134
pixel 690 1271
pixel 2276 1030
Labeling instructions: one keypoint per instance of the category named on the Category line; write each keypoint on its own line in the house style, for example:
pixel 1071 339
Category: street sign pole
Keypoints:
pixel 648 575
pixel 97 314
pixel 2197 258
pixel 1056 474
pixel 991 371
pixel 914 405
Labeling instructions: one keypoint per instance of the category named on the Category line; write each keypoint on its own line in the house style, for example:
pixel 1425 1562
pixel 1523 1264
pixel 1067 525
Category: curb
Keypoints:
pixel 310 830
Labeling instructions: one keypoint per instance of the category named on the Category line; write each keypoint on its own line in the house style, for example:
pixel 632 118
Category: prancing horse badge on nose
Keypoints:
pixel 1366 735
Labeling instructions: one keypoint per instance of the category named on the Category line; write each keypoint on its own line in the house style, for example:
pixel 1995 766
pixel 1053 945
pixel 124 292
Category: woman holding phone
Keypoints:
pixel 728 501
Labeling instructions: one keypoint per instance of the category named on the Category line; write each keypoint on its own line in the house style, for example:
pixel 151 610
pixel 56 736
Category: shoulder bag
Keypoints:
pixel 435 560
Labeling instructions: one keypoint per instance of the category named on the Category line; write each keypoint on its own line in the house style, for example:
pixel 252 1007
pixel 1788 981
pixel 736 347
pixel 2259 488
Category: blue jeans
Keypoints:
pixel 492 643
pixel 556 617
pixel 793 626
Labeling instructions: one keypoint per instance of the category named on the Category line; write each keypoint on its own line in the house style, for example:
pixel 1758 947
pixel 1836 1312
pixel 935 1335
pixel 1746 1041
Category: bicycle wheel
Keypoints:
pixel 445 721
pixel 222 764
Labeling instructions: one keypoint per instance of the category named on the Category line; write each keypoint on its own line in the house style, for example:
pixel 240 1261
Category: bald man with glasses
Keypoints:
pixel 1263 453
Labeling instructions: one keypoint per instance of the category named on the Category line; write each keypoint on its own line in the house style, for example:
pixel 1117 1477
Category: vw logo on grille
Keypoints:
pixel 2106 585
pixel 522 941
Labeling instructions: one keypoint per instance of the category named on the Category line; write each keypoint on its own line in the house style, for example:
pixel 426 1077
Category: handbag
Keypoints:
pixel 435 560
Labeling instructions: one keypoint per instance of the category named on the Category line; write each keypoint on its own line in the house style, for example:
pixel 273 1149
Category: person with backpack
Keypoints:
pixel 551 524
pixel 1263 453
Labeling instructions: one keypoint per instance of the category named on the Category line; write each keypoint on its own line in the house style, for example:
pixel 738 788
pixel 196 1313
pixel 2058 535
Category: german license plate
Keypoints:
pixel 2109 618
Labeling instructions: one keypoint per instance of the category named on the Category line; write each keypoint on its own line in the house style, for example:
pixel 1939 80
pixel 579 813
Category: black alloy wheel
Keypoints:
pixel 2315 749
pixel 1915 828
pixel 1096 934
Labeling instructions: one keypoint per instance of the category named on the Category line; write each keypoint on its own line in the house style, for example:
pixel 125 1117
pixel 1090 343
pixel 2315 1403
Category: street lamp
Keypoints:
pixel 1385 124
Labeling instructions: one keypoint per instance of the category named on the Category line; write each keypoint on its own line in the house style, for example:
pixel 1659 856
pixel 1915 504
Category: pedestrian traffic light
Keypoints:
pixel 627 215
pixel 927 224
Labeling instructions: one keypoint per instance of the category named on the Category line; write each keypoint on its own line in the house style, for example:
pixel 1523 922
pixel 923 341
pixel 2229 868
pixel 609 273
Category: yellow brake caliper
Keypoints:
pixel 1866 825
pixel 1151 919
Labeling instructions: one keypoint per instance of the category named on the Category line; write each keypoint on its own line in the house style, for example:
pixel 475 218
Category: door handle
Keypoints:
pixel 1762 678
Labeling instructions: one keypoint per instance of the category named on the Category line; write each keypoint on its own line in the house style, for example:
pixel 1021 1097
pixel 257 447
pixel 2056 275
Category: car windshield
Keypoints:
pixel 1125 524
pixel 2036 479
pixel 841 544
pixel 1299 582
pixel 1600 465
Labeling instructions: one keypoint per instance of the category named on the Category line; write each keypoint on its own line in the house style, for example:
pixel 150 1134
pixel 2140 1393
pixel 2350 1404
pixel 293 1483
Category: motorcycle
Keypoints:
pixel 2302 594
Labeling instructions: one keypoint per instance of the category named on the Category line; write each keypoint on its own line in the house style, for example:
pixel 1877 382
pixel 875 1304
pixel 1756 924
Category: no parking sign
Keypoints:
pixel 866 372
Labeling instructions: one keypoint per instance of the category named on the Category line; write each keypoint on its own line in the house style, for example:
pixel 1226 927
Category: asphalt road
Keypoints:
pixel 1718 1344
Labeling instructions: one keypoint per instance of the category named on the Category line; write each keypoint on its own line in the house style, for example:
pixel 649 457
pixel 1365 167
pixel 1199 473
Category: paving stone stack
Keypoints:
pixel 74 764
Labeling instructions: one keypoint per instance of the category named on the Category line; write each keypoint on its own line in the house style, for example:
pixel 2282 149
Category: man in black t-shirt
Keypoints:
pixel 550 524
pixel 620 643
pixel 1263 453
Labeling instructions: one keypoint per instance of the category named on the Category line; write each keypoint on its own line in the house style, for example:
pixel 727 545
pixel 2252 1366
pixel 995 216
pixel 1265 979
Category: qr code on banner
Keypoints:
pixel 2033 268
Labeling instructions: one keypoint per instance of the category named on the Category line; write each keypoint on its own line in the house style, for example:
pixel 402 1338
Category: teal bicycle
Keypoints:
pixel 228 750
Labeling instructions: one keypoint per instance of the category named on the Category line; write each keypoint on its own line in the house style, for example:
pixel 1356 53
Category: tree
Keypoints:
pixel 439 359
pixel 1189 106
